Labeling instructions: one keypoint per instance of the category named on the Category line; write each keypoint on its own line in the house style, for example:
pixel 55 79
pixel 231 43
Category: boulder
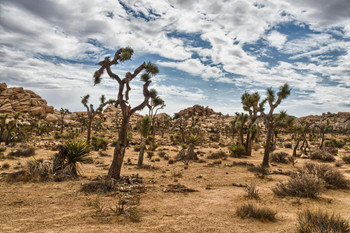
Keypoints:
pixel 51 118
pixel 38 111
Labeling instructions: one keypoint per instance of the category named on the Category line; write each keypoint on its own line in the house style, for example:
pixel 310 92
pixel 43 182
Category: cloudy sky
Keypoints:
pixel 208 52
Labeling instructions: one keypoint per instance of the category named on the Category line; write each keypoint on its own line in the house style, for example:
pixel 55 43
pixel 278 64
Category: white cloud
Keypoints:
pixel 276 39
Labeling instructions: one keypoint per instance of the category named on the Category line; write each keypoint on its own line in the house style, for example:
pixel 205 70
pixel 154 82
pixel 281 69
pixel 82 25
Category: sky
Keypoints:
pixel 208 52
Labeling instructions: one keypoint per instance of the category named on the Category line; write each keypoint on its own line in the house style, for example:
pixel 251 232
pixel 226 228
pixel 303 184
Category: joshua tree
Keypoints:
pixel 165 123
pixel 122 55
pixel 2 125
pixel 270 121
pixel 10 126
pixel 144 130
pixel 250 104
pixel 154 105
pixel 63 113
pixel 92 113
pixel 323 128
pixel 239 123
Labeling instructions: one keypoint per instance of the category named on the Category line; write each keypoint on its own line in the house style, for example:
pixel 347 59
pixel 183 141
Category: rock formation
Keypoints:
pixel 16 99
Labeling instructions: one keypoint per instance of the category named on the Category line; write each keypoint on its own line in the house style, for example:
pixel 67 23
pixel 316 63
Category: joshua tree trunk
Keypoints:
pixel 249 144
pixel 89 130
pixel 142 150
pixel 265 162
pixel 322 139
pixel 119 150
pixel 296 147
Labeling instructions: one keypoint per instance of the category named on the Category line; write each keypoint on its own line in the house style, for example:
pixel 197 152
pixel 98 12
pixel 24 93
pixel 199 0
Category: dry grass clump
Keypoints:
pixel 301 184
pixel 288 145
pixel 218 155
pixel 346 159
pixel 332 177
pixel 279 157
pixel 252 192
pixel 237 150
pixel 259 171
pixel 23 151
pixel 243 164
pixel 98 186
pixel 322 155
pixel 35 171
pixel 249 210
pixel 319 221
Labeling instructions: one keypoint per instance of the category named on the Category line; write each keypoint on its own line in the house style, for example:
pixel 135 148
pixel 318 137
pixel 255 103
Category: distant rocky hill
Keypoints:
pixel 339 121
pixel 197 110
pixel 16 99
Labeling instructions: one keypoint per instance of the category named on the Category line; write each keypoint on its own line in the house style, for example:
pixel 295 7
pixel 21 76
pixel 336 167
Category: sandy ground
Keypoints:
pixel 60 207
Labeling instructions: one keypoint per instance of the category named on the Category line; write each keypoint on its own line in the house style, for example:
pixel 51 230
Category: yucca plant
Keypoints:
pixel 77 152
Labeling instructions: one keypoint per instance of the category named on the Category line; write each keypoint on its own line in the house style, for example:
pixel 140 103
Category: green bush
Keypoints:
pixel 98 143
pixel 214 137
pixel 335 143
pixel 76 152
pixel 217 155
pixel 346 159
pixel 237 150
pixel 319 221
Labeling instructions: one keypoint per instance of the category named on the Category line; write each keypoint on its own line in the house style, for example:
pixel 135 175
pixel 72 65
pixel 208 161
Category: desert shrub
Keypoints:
pixel 300 185
pixel 76 152
pixel 153 146
pixel 23 151
pixel 279 157
pixel 288 145
pixel 137 148
pixel 335 143
pixel 346 159
pixel 332 177
pixel 319 221
pixel 249 210
pixel 2 148
pixel 170 161
pixel 243 164
pixel 217 155
pixel 102 154
pixel 252 192
pixel 214 137
pixel 99 186
pixel 322 155
pixel 161 154
pixel 260 171
pixel 35 171
pixel 331 150
pixel 70 135
pixel 237 150
pixel 57 135
pixel 98 143
pixel 150 154
pixel 5 166
pixel 114 142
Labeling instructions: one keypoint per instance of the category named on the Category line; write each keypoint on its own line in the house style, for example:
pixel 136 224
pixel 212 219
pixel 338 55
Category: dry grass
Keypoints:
pixel 300 185
pixel 249 210
pixel 319 221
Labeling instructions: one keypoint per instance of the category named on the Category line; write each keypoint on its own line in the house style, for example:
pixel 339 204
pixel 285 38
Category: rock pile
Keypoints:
pixel 16 99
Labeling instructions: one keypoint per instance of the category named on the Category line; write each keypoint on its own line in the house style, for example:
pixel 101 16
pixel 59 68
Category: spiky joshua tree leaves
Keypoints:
pixel 150 69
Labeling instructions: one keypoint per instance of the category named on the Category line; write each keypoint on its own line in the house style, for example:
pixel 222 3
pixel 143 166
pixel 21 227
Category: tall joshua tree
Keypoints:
pixel 63 113
pixel 250 104
pixel 270 120
pixel 156 103
pixel 239 123
pixel 150 69
pixel 92 113
pixel 144 130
